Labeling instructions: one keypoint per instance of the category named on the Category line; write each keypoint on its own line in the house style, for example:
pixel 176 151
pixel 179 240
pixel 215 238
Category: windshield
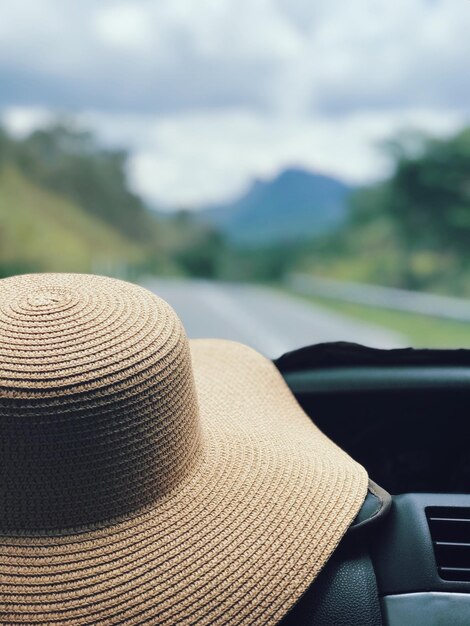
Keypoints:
pixel 282 172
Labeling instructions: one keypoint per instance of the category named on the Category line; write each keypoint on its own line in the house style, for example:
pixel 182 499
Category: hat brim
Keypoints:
pixel 237 543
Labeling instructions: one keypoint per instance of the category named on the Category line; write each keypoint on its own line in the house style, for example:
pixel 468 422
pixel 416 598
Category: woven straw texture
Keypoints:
pixel 148 480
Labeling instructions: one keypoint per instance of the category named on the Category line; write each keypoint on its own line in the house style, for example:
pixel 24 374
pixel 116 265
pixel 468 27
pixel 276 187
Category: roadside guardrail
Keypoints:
pixel 383 297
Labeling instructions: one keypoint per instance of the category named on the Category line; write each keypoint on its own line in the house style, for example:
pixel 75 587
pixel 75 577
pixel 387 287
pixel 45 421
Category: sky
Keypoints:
pixel 209 95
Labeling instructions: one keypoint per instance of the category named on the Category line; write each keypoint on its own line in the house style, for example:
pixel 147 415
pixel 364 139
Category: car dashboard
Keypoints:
pixel 405 418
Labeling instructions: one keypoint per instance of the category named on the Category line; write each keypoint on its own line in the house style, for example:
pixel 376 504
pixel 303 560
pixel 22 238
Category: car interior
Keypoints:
pixel 403 414
pixel 281 173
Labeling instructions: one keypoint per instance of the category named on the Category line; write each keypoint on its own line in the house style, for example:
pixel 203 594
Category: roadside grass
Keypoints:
pixel 422 331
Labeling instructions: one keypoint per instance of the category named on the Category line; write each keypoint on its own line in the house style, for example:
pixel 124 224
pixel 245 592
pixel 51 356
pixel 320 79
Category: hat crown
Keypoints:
pixel 98 409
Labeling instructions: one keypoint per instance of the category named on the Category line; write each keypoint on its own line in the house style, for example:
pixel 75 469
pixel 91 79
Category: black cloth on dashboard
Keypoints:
pixel 345 354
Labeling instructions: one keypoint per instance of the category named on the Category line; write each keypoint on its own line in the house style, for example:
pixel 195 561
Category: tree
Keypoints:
pixel 67 159
pixel 429 195
pixel 421 214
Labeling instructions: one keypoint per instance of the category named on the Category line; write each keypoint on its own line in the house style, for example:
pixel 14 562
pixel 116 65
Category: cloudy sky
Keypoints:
pixel 210 94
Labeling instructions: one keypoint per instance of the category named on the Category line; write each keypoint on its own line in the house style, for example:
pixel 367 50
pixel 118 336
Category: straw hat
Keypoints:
pixel 145 479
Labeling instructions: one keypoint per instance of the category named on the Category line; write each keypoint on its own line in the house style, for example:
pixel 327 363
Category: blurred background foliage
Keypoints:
pixel 412 230
pixel 66 205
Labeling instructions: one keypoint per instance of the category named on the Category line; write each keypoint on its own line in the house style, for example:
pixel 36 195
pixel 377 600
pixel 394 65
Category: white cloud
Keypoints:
pixel 21 121
pixel 204 158
pixel 280 55
pixel 209 94
pixel 189 160
pixel 224 30
pixel 192 159
pixel 124 26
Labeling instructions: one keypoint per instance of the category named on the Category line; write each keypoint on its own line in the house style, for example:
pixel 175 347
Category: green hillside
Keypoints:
pixel 43 231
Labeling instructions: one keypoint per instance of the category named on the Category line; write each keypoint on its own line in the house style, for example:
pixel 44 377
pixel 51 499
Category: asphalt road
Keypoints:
pixel 267 320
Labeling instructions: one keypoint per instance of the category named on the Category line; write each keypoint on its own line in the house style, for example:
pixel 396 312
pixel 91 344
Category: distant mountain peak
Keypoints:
pixel 294 204
pixel 296 170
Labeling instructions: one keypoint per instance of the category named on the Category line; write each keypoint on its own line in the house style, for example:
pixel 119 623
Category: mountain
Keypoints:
pixel 295 204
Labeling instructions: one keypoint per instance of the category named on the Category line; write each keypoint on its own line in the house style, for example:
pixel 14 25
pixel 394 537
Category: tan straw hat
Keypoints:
pixel 148 480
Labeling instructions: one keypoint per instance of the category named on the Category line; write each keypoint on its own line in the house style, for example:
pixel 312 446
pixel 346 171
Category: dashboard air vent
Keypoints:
pixel 450 533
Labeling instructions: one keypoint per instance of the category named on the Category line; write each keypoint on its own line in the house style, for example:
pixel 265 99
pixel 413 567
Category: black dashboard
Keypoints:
pixel 406 418
pixel 411 431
